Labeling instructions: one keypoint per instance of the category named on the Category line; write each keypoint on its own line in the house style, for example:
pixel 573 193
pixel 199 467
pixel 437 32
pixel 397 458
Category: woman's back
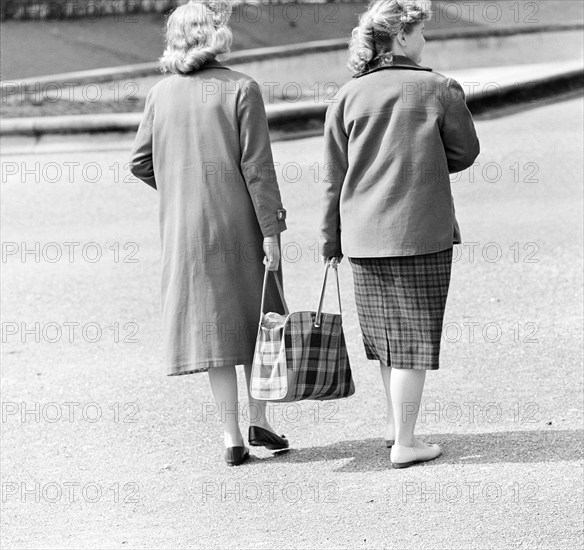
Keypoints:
pixel 394 136
pixel 205 138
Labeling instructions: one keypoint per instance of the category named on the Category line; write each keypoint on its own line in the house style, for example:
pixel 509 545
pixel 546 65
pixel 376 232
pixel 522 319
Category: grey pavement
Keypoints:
pixel 506 405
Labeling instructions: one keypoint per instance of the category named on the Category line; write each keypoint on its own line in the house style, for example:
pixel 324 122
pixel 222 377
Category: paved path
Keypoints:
pixel 506 406
pixel 472 80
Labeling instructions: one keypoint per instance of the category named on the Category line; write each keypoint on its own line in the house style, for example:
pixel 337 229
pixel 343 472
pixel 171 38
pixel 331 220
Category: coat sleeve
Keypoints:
pixel 458 132
pixel 257 164
pixel 141 164
pixel 335 170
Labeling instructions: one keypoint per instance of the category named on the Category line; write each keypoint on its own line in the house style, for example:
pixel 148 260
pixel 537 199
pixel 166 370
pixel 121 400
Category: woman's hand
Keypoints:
pixel 333 261
pixel 272 252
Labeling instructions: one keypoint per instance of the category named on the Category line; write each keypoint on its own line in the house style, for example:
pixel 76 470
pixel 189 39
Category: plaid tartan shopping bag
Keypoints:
pixel 301 355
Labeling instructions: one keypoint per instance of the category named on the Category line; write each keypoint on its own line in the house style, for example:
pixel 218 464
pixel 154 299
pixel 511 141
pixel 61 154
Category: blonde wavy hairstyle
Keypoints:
pixel 372 40
pixel 196 33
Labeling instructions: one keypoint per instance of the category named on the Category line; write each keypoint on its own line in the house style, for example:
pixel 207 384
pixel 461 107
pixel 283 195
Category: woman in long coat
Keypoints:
pixel 391 140
pixel 204 145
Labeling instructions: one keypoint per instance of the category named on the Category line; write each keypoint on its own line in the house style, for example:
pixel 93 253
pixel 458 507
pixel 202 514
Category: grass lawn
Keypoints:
pixel 39 48
pixel 34 48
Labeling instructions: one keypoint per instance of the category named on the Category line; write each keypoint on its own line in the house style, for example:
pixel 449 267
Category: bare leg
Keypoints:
pixel 407 386
pixel 223 382
pixel 257 409
pixel 389 432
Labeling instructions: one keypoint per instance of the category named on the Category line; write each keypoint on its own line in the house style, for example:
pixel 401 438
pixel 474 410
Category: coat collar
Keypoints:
pixel 397 62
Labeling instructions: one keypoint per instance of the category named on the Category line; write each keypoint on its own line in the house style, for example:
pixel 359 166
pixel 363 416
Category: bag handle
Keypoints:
pixel 264 289
pixel 317 319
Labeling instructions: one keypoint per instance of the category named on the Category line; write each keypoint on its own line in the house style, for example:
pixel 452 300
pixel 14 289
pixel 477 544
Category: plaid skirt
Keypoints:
pixel 400 303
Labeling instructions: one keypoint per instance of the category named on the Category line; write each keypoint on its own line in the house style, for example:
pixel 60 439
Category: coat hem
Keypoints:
pixel 194 368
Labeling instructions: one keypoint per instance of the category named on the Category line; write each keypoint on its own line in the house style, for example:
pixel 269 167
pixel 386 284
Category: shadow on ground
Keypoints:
pixel 368 455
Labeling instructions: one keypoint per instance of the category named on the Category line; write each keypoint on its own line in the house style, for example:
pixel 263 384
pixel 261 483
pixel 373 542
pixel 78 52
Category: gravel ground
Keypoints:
pixel 506 405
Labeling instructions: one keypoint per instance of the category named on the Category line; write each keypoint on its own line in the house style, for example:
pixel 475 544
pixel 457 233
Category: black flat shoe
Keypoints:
pixel 258 437
pixel 234 456
pixel 389 443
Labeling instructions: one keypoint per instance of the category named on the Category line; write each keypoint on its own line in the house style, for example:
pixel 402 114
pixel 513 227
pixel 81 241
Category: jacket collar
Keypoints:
pixel 213 64
pixel 397 62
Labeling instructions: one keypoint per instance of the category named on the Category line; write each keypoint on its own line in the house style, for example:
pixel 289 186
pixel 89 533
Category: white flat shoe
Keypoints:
pixel 403 457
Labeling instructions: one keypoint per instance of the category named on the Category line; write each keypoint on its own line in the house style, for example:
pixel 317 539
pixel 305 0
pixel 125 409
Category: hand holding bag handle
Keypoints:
pixel 317 318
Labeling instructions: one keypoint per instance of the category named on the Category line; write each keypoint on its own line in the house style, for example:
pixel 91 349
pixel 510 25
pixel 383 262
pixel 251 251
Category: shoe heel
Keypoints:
pixel 401 465
pixel 234 456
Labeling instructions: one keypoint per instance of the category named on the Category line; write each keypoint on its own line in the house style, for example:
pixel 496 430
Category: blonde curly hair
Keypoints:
pixel 371 41
pixel 196 33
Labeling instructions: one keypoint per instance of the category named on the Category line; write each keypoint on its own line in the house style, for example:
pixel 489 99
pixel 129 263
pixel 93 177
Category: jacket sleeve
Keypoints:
pixel 141 164
pixel 458 132
pixel 335 170
pixel 257 164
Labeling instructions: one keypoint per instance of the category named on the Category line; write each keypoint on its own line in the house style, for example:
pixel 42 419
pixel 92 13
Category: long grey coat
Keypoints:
pixel 204 144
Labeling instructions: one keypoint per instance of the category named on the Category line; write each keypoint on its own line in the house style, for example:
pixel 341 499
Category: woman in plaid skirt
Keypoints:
pixel 392 138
